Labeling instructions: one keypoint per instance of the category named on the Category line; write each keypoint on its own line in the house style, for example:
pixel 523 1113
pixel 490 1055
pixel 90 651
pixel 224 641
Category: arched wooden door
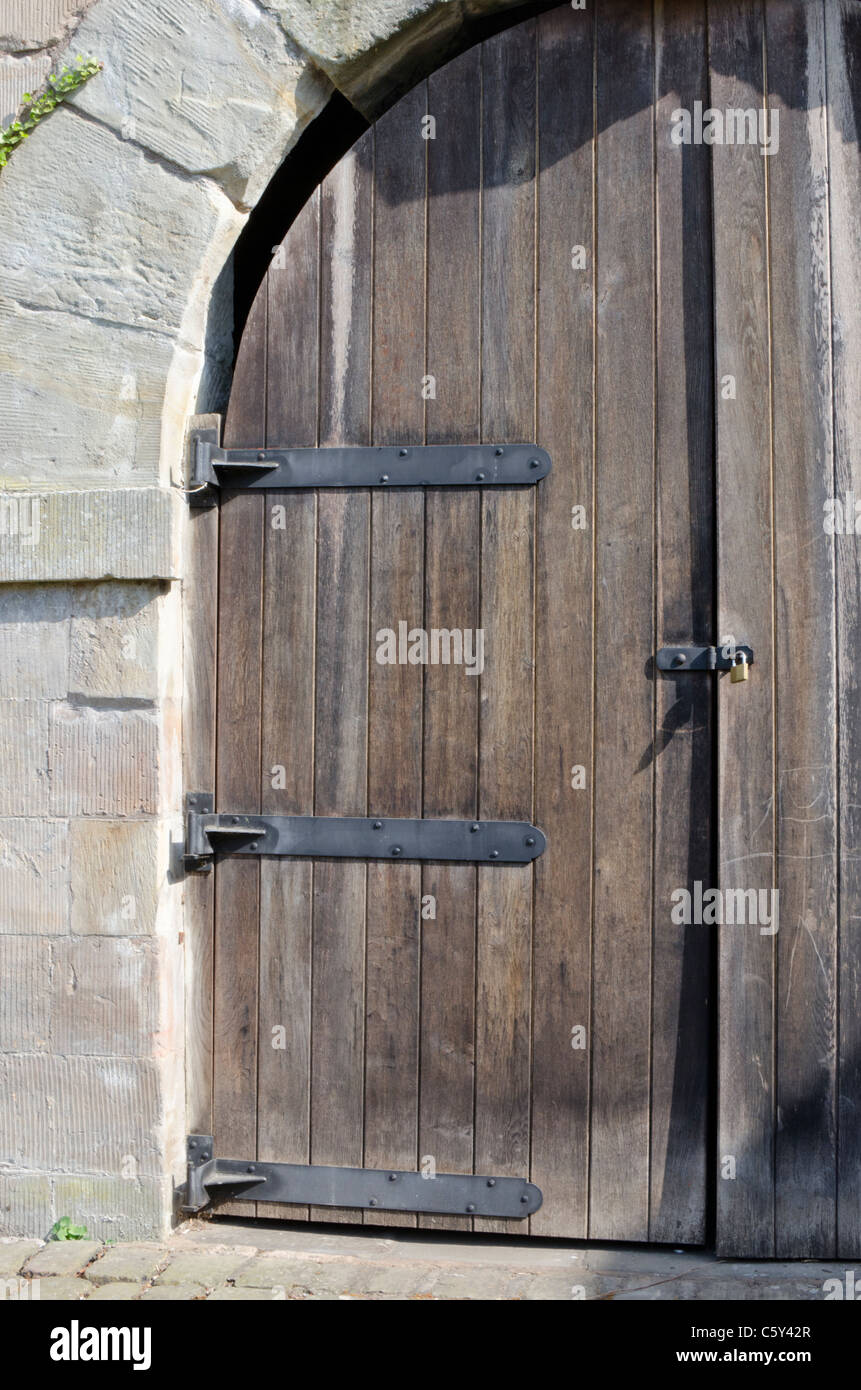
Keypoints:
pixel 520 252
pixel 544 1020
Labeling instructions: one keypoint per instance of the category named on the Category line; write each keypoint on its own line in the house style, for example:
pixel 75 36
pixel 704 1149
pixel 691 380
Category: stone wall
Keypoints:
pixel 117 219
pixel 31 34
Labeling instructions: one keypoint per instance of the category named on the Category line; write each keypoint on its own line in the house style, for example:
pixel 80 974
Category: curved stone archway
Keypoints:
pixel 117 220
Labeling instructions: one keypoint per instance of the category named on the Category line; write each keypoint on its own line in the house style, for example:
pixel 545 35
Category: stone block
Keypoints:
pixel 17 76
pixel 114 643
pixel 103 762
pixel 124 256
pixel 115 1293
pixel 34 876
pixel 34 641
pixel 172 1293
pixel 372 50
pixel 114 876
pixel 25 998
pixel 61 1290
pixel 82 1115
pixel 14 1254
pixel 62 1257
pixel 127 533
pixel 25 1202
pixel 30 24
pixel 217 89
pixel 105 997
pixel 116 1208
pixel 23 758
pixel 134 1263
pixel 203 1268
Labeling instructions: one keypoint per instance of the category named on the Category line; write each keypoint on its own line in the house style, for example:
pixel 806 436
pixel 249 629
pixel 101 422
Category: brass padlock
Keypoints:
pixel 739 667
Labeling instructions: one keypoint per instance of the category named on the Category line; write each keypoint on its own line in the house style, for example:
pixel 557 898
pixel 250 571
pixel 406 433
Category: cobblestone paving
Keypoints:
pixel 240 1261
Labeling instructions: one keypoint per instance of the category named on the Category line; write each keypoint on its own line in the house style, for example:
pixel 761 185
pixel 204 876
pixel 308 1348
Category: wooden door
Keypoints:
pixel 530 266
pixel 542 262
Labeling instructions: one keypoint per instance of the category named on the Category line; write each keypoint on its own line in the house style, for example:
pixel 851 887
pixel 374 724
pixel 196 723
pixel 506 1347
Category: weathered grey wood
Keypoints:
pixel 682 985
pixel 238 770
pixel 746 772
pixel 843 44
pixel 623 771
pixel 806 981
pixel 287 735
pixel 500 1087
pixel 341 755
pixel 452 566
pixel 504 943
pixel 564 614
pixel 200 642
pixel 395 692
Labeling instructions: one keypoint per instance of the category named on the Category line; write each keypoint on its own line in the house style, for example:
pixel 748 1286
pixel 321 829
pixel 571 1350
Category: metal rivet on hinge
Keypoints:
pixel 530 840
pixel 479 477
pixel 384 478
pixel 470 1206
pixel 396 849
pixel 378 825
pixel 679 659
pixel 475 826
pixel 491 1182
pixel 403 453
pixel 534 463
pixel 494 854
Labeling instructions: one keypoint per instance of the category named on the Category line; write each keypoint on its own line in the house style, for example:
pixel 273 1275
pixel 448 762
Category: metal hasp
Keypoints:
pixel 354 837
pixel 404 465
pixel 682 659
pixel 449 1194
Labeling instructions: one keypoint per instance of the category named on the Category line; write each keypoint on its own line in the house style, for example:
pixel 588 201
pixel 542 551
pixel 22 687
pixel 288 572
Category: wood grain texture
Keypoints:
pixel 746 770
pixel 452 574
pixel 624 623
pixel 504 944
pixel 395 692
pixel 287 733
pixel 806 981
pixel 341 752
pixel 237 896
pixel 682 973
pixel 843 77
pixel 564 616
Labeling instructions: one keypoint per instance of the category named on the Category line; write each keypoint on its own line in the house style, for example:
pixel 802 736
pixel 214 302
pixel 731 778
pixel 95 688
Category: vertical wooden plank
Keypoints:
pixel 503 1022
pixel 451 601
pixel 682 986
pixel 563 733
pixel 843 46
pixel 746 774
pixel 395 692
pixel 200 646
pixel 287 738
pixel 238 770
pixel 624 626
pixel 341 754
pixel 806 985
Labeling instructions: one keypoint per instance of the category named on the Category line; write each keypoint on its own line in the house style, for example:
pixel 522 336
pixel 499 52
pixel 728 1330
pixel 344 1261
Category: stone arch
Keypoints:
pixel 120 212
